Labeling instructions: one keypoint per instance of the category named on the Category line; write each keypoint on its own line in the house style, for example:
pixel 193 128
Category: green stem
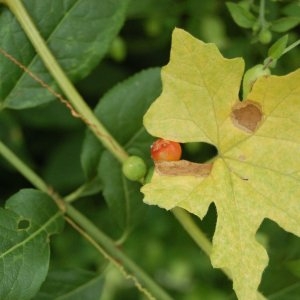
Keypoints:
pixel 195 232
pixel 133 271
pixel 270 60
pixel 262 19
pixel 23 168
pixel 62 80
pixel 290 47
pixel 80 191
pixel 118 255
pixel 75 194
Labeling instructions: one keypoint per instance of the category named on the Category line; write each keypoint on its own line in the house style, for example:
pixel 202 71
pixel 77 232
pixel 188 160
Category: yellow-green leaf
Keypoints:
pixel 256 174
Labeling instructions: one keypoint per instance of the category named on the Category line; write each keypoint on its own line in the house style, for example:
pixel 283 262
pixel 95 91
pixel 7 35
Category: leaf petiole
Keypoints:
pixel 271 62
pixel 290 47
pixel 194 231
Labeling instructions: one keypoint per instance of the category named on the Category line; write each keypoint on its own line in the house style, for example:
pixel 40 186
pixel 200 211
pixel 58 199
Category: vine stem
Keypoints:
pixel 92 233
pixel 262 19
pixel 23 168
pixel 141 279
pixel 63 81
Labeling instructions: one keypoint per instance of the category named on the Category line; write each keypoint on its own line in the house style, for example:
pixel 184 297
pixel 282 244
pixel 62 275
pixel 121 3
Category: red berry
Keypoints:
pixel 164 150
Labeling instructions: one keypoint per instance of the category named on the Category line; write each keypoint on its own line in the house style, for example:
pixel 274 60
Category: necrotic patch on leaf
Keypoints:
pixel 247 115
pixel 182 168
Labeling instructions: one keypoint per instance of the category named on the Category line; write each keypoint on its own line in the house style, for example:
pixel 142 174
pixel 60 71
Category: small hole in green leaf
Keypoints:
pixel 23 224
pixel 199 152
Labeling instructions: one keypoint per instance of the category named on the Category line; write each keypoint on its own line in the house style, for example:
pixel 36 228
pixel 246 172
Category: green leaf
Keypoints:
pixel 285 24
pixel 30 217
pixel 242 17
pixel 292 9
pixel 71 285
pixel 130 100
pixel 256 172
pixel 277 49
pixel 62 169
pixel 78 32
pixel 52 115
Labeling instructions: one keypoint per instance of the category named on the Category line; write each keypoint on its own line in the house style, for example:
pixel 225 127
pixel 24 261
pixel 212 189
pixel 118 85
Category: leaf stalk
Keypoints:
pixel 193 230
pixel 195 233
pixel 290 47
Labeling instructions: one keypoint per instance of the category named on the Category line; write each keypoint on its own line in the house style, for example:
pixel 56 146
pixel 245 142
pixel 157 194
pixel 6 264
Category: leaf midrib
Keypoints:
pixel 32 236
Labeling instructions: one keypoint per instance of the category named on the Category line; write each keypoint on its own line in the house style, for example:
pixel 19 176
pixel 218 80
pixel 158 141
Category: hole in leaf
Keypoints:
pixel 23 224
pixel 198 152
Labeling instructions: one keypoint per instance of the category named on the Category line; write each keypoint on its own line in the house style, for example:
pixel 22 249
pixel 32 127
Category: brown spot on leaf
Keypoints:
pixel 182 168
pixel 247 115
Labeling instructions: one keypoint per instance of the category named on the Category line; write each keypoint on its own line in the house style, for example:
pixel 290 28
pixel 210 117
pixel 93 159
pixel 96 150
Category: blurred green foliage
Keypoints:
pixel 50 140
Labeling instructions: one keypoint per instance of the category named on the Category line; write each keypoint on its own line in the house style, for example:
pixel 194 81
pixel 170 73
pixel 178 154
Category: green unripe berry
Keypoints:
pixel 134 168
pixel 251 76
pixel 265 36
